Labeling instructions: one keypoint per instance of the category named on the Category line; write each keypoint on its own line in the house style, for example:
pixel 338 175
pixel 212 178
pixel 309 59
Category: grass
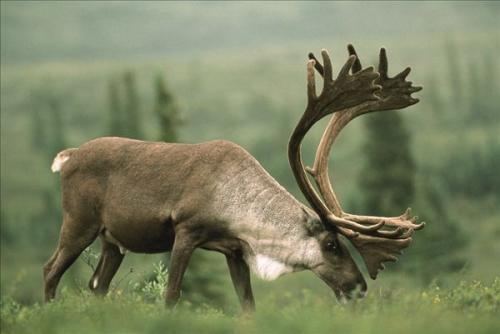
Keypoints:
pixel 469 307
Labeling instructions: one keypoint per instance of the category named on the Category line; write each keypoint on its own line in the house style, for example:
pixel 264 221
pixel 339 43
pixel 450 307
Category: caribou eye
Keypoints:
pixel 332 246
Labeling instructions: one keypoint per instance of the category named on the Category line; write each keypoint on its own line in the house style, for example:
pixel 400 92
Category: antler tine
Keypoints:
pixel 355 226
pixel 328 69
pixel 398 221
pixel 357 65
pixel 311 82
pixel 383 64
pixel 372 230
pixel 317 64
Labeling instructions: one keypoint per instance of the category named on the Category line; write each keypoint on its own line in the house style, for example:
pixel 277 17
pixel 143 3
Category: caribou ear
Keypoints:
pixel 313 225
pixel 375 251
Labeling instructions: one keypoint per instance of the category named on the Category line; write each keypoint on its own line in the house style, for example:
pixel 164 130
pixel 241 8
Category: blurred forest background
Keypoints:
pixel 196 71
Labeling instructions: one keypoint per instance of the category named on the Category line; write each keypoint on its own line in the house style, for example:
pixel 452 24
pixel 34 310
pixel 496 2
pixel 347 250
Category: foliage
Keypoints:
pixel 154 288
pixel 471 170
pixel 439 248
pixel 48 137
pixel 206 279
pixel 116 121
pixel 167 112
pixel 468 168
pixel 472 296
pixel 389 182
pixel 125 118
pixel 90 258
pixel 132 110
pixel 473 305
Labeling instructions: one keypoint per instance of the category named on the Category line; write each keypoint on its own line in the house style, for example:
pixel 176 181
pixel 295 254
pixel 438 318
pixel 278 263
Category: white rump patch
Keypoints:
pixel 59 161
pixel 268 268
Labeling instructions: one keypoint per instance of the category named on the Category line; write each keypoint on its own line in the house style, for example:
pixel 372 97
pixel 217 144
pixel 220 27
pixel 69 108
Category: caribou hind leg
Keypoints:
pixel 72 242
pixel 110 261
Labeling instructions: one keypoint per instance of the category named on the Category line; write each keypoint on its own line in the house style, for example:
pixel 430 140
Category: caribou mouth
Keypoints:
pixel 342 296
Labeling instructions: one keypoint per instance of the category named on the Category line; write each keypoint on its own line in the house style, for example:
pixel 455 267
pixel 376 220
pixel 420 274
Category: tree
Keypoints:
pixel 439 248
pixel 388 183
pixel 455 75
pixel 116 126
pixel 124 107
pixel 131 109
pixel 387 177
pixel 57 139
pixel 167 112
pixel 38 135
pixel 48 138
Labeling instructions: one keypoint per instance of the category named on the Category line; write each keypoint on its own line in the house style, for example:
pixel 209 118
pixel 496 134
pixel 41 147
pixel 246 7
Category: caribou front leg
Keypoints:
pixel 240 275
pixel 181 254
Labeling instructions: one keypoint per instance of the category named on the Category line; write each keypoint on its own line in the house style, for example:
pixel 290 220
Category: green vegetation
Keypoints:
pixel 193 72
pixel 388 176
pixel 167 112
pixel 434 310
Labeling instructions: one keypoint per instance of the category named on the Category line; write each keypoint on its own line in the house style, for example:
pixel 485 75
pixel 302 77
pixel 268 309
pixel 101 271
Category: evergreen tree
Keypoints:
pixel 48 138
pixel 482 104
pixel 439 248
pixel 435 99
pixel 57 138
pixel 48 135
pixel 131 110
pixel 38 135
pixel 387 178
pixel 167 112
pixel 116 126
pixel 455 75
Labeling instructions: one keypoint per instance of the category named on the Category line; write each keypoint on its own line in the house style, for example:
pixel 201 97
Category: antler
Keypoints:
pixel 376 245
pixel 344 92
pixel 395 94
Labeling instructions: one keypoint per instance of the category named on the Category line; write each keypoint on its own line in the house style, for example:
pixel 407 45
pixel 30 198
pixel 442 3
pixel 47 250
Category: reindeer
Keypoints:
pixel 152 197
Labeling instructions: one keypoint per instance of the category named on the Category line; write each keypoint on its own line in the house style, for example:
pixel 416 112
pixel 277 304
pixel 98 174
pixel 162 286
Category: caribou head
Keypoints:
pixel 355 91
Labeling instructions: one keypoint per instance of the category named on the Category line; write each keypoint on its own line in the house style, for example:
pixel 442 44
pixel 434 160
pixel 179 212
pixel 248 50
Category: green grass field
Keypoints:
pixel 468 307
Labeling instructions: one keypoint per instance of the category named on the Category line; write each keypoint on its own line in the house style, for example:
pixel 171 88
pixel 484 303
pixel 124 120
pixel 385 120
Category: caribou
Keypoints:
pixel 152 197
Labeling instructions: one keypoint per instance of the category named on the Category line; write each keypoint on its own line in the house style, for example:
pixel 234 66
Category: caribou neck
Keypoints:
pixel 271 222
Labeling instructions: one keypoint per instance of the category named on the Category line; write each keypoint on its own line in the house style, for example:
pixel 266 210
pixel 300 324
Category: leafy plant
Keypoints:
pixel 153 290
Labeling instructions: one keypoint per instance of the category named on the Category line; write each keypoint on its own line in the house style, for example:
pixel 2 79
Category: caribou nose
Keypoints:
pixel 362 289
pixel 362 293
